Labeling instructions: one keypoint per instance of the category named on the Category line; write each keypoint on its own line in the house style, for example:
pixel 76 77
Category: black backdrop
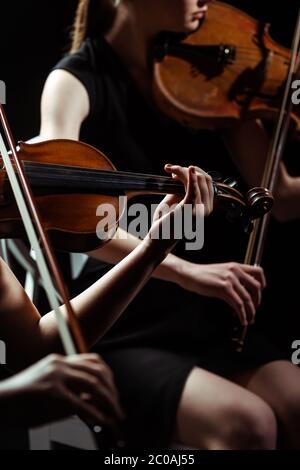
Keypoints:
pixel 33 36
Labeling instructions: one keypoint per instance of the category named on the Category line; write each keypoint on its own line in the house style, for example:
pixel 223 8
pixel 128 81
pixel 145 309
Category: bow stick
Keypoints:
pixel 71 336
pixel 258 237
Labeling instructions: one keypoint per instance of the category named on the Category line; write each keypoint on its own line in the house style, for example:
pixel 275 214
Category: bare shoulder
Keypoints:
pixel 62 88
pixel 64 106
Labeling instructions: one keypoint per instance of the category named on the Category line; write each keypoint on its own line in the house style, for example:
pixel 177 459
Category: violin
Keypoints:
pixel 70 180
pixel 230 69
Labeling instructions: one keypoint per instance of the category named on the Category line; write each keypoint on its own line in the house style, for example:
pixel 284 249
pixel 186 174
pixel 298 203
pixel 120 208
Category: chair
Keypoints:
pixel 71 432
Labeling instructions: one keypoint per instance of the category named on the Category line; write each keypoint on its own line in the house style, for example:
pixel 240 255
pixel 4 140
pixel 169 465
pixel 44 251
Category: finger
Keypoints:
pixel 192 189
pixel 86 410
pixel 247 301
pixel 253 286
pixel 258 273
pixel 197 194
pixel 93 364
pixel 164 207
pixel 111 425
pixel 201 171
pixel 204 192
pixel 85 383
pixel 170 200
pixel 210 188
pixel 103 374
pixel 234 300
pixel 178 172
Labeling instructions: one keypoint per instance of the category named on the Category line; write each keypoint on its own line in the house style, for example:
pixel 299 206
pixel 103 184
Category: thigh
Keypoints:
pixel 213 412
pixel 277 383
pixel 150 382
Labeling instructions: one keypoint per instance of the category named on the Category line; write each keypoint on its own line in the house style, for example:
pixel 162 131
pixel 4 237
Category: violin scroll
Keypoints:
pixel 245 209
pixel 260 201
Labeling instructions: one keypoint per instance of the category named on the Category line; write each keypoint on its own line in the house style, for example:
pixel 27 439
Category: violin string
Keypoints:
pixel 260 57
pixel 94 172
pixel 252 49
pixel 106 177
pixel 98 178
pixel 32 167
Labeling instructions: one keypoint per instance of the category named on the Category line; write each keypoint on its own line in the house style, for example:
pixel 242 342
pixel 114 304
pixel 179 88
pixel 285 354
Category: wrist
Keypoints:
pixel 170 268
pixel 154 249
pixel 182 272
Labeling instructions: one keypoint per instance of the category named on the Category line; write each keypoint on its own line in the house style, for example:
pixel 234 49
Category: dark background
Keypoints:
pixel 35 34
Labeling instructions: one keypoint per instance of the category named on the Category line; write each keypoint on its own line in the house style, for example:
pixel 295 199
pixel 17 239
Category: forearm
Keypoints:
pixel 124 243
pixel 98 308
pixel 249 144
pixel 28 337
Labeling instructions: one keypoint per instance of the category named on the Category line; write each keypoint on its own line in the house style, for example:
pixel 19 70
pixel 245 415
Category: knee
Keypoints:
pixel 252 427
pixel 289 413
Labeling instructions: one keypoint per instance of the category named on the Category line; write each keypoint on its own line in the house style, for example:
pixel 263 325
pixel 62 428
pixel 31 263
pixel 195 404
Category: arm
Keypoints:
pixel 29 337
pixel 248 143
pixel 65 104
pixel 101 305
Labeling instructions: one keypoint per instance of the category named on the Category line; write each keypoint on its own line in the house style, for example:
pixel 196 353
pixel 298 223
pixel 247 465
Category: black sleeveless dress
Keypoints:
pixel 166 331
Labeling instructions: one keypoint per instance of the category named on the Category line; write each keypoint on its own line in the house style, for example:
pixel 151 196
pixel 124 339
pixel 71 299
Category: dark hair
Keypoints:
pixel 93 18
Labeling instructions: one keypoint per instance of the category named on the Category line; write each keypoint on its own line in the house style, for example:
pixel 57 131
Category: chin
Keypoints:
pixel 191 26
pixel 188 27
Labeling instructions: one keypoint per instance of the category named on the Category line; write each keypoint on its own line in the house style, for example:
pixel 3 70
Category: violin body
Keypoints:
pixel 70 180
pixel 68 216
pixel 230 69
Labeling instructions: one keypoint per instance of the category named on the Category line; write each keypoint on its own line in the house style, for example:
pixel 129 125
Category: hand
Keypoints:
pixel 199 193
pixel 198 186
pixel 239 285
pixel 58 387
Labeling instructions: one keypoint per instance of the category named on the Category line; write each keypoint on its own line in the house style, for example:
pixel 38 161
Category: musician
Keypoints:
pixel 54 387
pixel 177 375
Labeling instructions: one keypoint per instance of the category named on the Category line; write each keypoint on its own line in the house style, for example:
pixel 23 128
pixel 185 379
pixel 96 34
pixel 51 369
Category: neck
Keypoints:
pixel 52 177
pixel 131 37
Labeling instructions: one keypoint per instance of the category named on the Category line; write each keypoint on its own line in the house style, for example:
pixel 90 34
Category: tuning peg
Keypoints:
pixel 231 182
pixel 215 176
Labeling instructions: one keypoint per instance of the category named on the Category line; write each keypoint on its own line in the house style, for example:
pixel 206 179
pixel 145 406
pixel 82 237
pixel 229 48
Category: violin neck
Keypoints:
pixel 49 177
